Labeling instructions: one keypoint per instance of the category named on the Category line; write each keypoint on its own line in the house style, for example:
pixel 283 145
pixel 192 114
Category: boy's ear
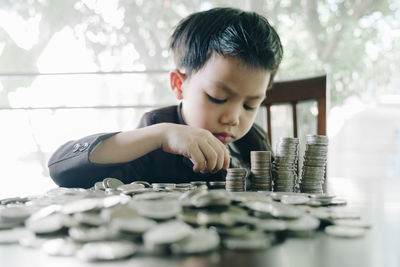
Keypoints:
pixel 176 79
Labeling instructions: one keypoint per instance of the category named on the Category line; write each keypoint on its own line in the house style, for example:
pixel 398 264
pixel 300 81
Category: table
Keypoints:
pixel 378 200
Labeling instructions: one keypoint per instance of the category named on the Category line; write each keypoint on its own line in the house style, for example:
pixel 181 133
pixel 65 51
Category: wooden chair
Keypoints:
pixel 295 91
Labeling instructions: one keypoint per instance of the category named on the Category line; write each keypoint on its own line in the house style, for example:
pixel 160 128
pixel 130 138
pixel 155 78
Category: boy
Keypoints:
pixel 226 59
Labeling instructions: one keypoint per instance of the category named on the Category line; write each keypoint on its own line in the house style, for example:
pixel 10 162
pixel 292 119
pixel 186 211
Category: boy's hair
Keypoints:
pixel 226 31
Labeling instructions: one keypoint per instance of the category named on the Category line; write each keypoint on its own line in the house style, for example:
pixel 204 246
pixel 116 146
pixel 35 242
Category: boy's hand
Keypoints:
pixel 207 153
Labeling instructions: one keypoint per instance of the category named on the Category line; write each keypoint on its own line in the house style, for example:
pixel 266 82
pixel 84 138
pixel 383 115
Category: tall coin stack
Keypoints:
pixel 261 176
pixel 315 158
pixel 235 179
pixel 285 165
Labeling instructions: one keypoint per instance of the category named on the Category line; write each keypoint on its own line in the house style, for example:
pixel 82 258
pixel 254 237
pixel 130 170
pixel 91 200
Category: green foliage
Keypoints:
pixel 333 41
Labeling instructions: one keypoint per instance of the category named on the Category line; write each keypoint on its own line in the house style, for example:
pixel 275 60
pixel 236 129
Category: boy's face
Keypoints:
pixel 223 97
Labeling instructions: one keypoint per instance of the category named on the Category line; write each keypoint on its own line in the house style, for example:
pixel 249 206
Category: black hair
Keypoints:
pixel 226 31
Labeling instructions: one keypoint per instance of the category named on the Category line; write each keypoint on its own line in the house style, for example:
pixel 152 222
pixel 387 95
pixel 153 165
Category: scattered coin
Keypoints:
pixel 60 247
pixel 106 250
pixel 345 231
pixel 166 234
pixel 199 241
pixel 112 183
pixel 113 221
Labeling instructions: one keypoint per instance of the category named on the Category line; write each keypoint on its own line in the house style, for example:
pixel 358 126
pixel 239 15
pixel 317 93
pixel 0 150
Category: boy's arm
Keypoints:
pixel 73 165
pixel 207 153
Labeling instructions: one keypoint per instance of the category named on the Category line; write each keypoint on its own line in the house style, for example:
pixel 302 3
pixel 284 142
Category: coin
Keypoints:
pixel 250 241
pixel 166 234
pixel 60 247
pixel 199 241
pixel 345 231
pixel 111 183
pixel 106 250
pixel 236 179
pixel 133 224
pixel 261 176
pixel 285 165
pixel 108 223
pixel 313 170
pixel 10 236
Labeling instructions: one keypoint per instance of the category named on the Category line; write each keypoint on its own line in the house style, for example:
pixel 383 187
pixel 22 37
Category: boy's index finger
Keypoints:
pixel 227 159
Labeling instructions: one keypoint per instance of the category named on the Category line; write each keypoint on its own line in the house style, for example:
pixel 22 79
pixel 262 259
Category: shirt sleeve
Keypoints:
pixel 70 166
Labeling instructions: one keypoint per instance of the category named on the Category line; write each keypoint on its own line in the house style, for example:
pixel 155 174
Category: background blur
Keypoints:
pixel 76 67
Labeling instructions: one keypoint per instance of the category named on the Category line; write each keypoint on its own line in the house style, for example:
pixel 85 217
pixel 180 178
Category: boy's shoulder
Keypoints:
pixel 165 114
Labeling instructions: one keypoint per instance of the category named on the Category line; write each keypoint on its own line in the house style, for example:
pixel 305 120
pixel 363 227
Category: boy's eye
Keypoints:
pixel 216 101
pixel 246 107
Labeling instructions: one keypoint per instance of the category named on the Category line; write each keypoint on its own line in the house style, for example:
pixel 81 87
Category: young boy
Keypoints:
pixel 226 59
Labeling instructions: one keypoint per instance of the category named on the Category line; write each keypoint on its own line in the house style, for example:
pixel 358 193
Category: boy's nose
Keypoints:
pixel 230 117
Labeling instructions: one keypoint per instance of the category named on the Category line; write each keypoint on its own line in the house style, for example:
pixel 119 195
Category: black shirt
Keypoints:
pixel 70 165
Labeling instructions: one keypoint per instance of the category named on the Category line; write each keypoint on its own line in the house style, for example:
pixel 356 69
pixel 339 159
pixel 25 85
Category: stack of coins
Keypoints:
pixel 285 165
pixel 261 176
pixel 216 185
pixel 235 179
pixel 315 158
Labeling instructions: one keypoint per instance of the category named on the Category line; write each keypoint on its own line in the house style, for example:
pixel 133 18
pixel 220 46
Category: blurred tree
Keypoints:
pixel 331 36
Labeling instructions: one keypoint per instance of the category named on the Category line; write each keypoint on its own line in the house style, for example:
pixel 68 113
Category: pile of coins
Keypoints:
pixel 122 220
pixel 285 165
pixel 236 179
pixel 261 175
pixel 315 158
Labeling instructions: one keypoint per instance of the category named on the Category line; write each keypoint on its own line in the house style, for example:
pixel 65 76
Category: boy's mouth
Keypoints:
pixel 224 137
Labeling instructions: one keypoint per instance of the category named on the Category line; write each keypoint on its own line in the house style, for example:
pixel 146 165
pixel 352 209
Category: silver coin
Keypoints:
pixel 338 202
pixel 271 225
pixel 294 199
pixel 353 223
pixel 110 250
pixel 163 185
pixel 83 205
pixel 166 233
pixel 94 219
pixel 198 183
pixel 50 224
pixel 251 241
pixel 99 186
pixel 160 209
pixel 112 183
pixel 11 200
pixel 10 236
pixel 90 234
pixel 133 224
pixel 146 184
pixel 60 247
pixel 303 223
pixel 345 231
pixel 126 187
pixel 232 230
pixel 199 241
pixel 31 240
pixel 16 214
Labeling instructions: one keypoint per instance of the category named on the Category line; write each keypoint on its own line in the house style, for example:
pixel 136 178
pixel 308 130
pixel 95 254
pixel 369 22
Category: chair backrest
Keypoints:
pixel 293 92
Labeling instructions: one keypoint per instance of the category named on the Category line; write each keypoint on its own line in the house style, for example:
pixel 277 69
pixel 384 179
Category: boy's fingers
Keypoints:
pixel 226 158
pixel 210 154
pixel 221 156
pixel 198 159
